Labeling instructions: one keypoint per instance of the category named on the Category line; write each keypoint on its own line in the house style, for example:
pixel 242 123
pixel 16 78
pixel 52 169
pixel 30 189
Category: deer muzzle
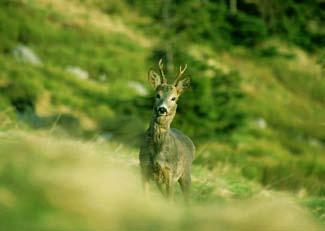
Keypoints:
pixel 162 110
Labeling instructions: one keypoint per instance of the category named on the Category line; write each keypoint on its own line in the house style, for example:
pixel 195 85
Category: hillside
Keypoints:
pixel 86 81
pixel 60 184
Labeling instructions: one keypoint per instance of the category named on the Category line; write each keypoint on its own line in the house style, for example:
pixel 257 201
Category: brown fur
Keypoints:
pixel 166 154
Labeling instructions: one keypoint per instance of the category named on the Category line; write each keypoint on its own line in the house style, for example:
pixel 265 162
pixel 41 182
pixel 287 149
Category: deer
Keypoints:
pixel 166 154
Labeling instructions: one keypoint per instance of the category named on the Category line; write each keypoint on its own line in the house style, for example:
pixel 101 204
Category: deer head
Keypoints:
pixel 167 94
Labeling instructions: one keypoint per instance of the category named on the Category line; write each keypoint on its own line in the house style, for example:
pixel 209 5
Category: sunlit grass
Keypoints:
pixel 52 183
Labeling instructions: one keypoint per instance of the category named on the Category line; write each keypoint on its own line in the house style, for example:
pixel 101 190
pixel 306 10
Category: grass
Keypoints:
pixel 287 151
pixel 55 43
pixel 67 183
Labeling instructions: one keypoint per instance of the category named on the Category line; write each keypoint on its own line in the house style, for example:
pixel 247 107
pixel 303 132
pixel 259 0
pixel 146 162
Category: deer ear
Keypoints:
pixel 154 79
pixel 183 85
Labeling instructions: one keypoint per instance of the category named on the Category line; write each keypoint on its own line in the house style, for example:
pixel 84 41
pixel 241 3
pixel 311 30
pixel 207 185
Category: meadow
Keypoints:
pixel 71 119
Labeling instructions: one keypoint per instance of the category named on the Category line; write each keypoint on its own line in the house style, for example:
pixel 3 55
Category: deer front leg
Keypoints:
pixel 145 180
pixel 170 187
pixel 161 188
pixel 185 183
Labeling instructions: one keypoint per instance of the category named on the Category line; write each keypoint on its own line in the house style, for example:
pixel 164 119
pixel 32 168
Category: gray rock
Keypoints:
pixel 314 142
pixel 25 54
pixel 138 88
pixel 102 77
pixel 261 123
pixel 78 72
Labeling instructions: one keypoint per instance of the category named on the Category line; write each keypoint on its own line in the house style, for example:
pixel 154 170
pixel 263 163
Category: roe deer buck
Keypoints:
pixel 166 154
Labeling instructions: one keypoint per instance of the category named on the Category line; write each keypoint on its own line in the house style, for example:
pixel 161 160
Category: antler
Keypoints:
pixel 180 74
pixel 162 74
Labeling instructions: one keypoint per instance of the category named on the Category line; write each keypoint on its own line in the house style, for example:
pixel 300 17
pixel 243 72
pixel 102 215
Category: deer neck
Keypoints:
pixel 159 129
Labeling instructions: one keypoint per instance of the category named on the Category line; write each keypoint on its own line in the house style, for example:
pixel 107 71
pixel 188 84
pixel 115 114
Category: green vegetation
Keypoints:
pixel 60 184
pixel 255 111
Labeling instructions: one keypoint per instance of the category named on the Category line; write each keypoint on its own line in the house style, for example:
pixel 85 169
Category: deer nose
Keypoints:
pixel 162 110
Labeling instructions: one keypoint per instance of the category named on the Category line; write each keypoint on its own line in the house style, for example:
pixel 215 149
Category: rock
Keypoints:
pixel 78 72
pixel 26 54
pixel 314 142
pixel 102 77
pixel 138 87
pixel 261 123
pixel 105 137
pixel 108 135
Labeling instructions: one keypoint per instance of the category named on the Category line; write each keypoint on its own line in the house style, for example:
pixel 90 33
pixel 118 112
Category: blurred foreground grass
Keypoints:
pixel 50 183
pixel 47 183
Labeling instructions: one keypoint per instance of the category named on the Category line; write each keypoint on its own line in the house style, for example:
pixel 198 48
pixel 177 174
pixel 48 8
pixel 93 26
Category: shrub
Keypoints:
pixel 246 30
pixel 22 90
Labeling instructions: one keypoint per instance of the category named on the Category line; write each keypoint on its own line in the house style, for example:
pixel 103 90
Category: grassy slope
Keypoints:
pixel 287 154
pixel 61 42
pixel 61 184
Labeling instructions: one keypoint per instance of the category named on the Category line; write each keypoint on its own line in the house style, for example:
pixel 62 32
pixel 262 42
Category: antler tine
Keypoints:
pixel 180 73
pixel 161 68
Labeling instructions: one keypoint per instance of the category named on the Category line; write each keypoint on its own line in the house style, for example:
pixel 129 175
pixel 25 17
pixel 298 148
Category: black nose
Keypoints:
pixel 162 110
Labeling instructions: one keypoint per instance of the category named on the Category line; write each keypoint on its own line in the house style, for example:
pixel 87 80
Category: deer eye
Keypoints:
pixel 158 96
pixel 174 98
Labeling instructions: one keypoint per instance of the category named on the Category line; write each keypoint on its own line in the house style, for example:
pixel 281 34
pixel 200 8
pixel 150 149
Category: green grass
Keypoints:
pixel 99 52
pixel 286 154
pixel 50 183
pixel 286 157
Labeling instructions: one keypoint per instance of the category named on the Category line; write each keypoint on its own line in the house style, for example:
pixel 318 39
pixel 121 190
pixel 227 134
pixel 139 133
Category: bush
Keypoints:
pixel 246 30
pixel 22 91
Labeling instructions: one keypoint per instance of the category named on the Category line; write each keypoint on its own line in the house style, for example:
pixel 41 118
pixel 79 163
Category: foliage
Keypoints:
pixel 246 30
pixel 255 110
pixel 210 21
